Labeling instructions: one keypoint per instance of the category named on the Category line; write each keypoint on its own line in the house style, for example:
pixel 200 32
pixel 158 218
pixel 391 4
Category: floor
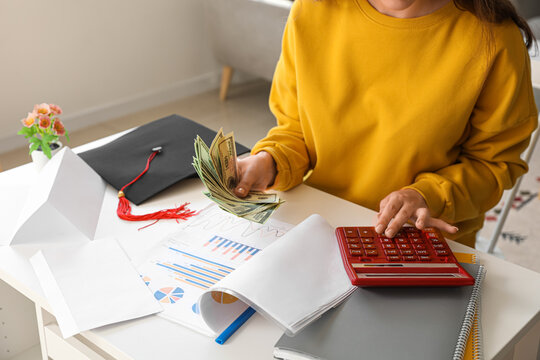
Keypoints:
pixel 246 113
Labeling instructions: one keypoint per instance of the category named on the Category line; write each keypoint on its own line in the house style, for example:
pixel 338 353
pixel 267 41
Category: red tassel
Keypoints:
pixel 124 207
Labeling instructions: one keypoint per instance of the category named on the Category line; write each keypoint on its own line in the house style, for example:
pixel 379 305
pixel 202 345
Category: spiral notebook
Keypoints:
pixel 474 348
pixel 392 323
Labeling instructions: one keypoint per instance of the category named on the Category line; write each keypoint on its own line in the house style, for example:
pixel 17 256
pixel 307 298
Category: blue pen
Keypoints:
pixel 235 325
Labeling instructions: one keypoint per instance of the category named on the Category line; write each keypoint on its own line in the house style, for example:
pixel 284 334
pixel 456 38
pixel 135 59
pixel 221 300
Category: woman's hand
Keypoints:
pixel 255 172
pixel 403 205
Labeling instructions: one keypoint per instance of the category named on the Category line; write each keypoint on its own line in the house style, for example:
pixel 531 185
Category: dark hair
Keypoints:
pixel 497 11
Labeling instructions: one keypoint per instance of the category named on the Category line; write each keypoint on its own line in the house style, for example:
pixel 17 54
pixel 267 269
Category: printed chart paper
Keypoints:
pixel 209 247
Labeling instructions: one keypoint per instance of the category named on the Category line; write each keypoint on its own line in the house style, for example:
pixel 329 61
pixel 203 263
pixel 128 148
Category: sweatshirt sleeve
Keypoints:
pixel 285 142
pixel 498 132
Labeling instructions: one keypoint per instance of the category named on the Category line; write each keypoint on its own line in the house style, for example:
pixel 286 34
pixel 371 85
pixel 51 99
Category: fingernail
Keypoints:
pixel 389 233
pixel 379 229
pixel 241 190
pixel 456 228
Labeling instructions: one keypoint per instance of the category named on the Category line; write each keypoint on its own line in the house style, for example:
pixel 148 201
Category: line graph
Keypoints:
pixel 214 220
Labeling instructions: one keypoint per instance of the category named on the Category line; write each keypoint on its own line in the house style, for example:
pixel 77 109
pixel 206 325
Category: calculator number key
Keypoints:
pixel 442 252
pixel 350 232
pixel 355 252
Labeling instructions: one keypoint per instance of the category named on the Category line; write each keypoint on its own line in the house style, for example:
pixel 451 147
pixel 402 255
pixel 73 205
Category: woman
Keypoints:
pixel 419 109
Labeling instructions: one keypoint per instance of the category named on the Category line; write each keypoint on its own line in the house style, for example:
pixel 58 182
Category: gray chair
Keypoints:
pixel 246 35
pixel 511 194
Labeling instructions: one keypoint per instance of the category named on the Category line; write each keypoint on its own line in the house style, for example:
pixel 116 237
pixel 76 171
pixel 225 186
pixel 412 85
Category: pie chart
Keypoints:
pixel 169 295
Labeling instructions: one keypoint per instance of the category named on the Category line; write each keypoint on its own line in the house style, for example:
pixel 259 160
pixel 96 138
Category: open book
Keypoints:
pixel 206 275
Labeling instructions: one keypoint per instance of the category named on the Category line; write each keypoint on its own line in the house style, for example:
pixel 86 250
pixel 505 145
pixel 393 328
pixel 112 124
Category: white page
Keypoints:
pixel 13 197
pixel 63 202
pixel 189 261
pixel 292 282
pixel 92 284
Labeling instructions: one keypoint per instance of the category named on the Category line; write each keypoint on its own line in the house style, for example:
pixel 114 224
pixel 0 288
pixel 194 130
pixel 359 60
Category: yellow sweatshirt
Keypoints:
pixel 372 104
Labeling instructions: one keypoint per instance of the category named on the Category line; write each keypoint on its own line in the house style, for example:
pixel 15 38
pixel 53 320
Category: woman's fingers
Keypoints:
pixel 404 205
pixel 255 172
pixel 403 215
pixel 442 225
pixel 387 212
pixel 247 177
pixel 422 216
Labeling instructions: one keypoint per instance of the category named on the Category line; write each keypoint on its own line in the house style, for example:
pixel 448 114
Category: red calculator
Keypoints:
pixel 412 257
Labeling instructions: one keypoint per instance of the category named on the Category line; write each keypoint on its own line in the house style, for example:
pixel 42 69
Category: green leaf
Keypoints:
pixel 35 140
pixel 46 149
pixel 66 135
pixel 48 138
pixel 33 147
pixel 26 132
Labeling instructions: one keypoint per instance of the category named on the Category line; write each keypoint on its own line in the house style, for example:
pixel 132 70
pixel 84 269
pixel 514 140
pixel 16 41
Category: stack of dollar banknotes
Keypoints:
pixel 217 169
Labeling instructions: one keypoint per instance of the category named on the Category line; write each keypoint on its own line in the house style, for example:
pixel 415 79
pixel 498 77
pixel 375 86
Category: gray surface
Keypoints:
pixel 246 34
pixel 388 323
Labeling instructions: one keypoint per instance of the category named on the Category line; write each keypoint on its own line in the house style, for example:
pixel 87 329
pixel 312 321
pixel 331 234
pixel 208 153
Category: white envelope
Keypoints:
pixel 92 284
pixel 63 203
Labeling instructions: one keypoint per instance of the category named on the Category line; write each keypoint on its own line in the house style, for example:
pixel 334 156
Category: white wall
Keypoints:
pixel 99 59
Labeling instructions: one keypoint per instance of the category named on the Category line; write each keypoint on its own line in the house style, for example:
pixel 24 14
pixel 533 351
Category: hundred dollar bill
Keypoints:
pixel 217 167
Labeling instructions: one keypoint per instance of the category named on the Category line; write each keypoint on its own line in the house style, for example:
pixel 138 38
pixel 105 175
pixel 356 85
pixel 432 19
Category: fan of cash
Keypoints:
pixel 217 169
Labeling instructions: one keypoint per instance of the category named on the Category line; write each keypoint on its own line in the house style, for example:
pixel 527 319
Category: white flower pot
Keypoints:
pixel 40 159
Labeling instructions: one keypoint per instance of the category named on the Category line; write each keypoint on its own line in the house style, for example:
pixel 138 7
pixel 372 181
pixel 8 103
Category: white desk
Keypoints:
pixel 510 295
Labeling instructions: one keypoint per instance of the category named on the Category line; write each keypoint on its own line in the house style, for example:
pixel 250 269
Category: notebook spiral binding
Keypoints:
pixel 477 348
pixel 469 320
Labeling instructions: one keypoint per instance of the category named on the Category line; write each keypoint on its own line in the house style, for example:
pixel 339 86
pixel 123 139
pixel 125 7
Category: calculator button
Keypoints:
pixel 386 241
pixel 389 246
pixel 438 246
pixel 409 258
pixel 442 252
pixel 350 232
pixel 370 246
pixel 401 241
pixel 367 232
pixel 404 246
pixel 432 235
pixel 371 253
pixel 419 247
pixel 391 252
pixel 367 240
pixel 416 241
pixel 356 252
pixel 422 252
pixel 425 258
pixel 393 258
pixel 354 246
pixel 435 240
pixel 353 240
pixel 407 252
pixel 410 229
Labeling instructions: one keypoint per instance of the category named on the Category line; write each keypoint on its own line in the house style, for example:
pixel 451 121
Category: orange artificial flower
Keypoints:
pixel 42 108
pixel 55 109
pixel 29 120
pixel 59 127
pixel 44 121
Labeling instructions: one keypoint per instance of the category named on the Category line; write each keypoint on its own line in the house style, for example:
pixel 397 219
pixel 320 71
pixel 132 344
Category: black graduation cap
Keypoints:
pixel 123 159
